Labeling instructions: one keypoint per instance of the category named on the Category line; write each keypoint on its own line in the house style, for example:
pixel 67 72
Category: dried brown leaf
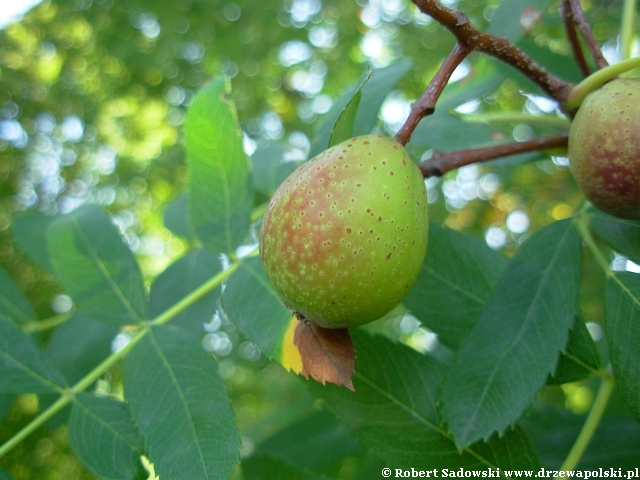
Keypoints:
pixel 327 354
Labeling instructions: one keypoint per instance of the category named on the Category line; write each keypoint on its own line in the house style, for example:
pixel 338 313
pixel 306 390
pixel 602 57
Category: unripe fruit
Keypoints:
pixel 604 148
pixel 345 235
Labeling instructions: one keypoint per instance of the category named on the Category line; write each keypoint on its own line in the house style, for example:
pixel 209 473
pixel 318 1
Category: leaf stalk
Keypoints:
pixel 582 222
pixel 196 295
pixel 590 425
pixel 32 426
pixel 46 324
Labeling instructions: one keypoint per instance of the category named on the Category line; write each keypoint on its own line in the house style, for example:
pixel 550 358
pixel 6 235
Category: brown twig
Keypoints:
pixel 458 23
pixel 584 27
pixel 442 162
pixel 471 39
pixel 427 102
pixel 570 26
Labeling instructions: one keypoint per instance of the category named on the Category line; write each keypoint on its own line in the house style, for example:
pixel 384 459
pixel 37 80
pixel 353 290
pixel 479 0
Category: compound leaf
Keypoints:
pixel 25 367
pixel 13 304
pixel 75 348
pixel 181 278
pixel 507 356
pixel 220 189
pixel 623 235
pixel 455 281
pixel 385 406
pixel 96 268
pixel 622 328
pixel 30 231
pixel 176 217
pixel 343 128
pixel 181 406
pixel 79 345
pixel 252 304
pixel 553 431
pixel 580 358
pixel 270 168
pixel 372 89
pixel 375 91
pixel 315 440
pixel 103 434
pixel 442 131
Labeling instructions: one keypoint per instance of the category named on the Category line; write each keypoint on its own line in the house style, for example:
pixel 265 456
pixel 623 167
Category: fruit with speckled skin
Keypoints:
pixel 345 235
pixel 604 148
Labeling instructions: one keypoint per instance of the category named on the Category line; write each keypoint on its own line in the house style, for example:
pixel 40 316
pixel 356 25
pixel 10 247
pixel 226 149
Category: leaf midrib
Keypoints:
pixel 103 269
pixel 528 319
pixel 31 373
pixel 106 425
pixel 421 418
pixel 178 388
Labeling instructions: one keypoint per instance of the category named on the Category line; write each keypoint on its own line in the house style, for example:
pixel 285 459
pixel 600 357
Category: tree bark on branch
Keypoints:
pixel 442 162
pixel 459 25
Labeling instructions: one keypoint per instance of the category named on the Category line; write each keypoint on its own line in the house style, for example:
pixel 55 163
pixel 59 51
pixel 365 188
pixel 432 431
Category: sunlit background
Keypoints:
pixel 11 11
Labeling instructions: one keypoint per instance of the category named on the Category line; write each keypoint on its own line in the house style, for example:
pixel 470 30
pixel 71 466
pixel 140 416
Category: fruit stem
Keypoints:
pixel 597 79
pixel 591 424
pixel 442 162
pixel 427 102
pixel 89 379
pixel 626 28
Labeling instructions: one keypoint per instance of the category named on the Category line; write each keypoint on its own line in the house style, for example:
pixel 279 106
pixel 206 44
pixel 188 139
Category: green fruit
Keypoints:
pixel 604 148
pixel 345 235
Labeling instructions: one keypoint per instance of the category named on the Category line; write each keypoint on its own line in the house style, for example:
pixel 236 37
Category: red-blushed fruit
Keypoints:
pixel 345 235
pixel 604 148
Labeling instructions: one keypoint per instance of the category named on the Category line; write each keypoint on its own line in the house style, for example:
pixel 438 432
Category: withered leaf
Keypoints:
pixel 327 354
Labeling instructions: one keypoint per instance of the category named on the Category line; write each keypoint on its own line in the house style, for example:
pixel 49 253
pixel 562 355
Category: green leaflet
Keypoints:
pixel 398 420
pixel 220 188
pixel 250 302
pixel 456 279
pixel 103 434
pixel 507 356
pixel 26 368
pixel 622 327
pixel 96 268
pixel 13 304
pixel 177 398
